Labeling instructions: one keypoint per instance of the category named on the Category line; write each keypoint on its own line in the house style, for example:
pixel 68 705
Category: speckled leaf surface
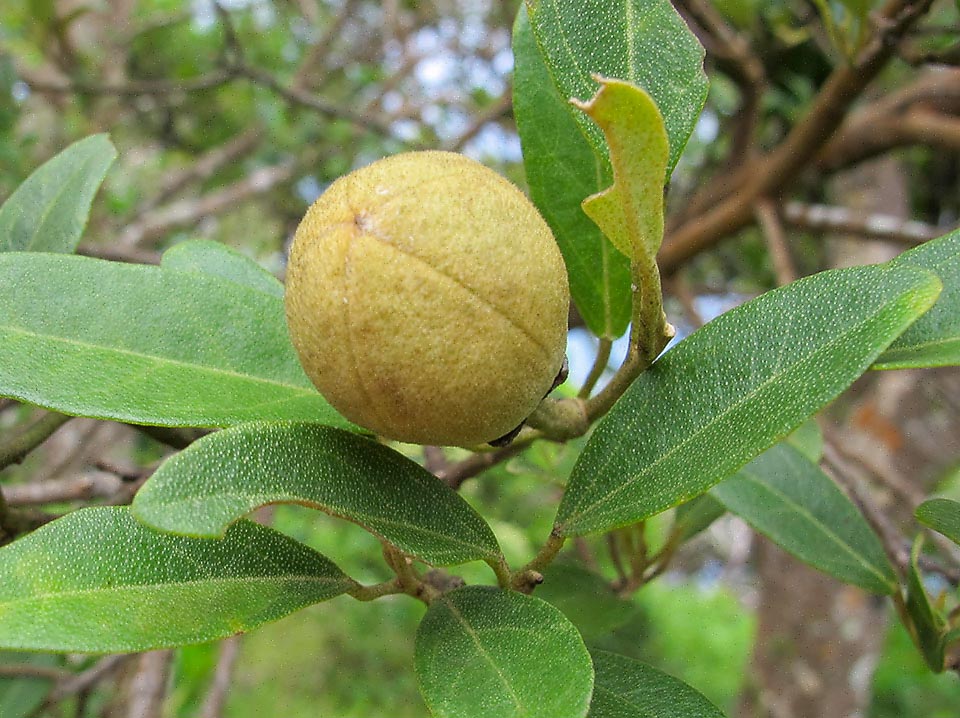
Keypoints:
pixel 219 260
pixel 98 581
pixel 485 653
pixel 562 170
pixel 630 212
pixel 736 386
pixel 145 345
pixel 644 42
pixel 49 211
pixel 225 475
pixel 626 688
pixel 934 340
pixel 942 515
pixel 786 497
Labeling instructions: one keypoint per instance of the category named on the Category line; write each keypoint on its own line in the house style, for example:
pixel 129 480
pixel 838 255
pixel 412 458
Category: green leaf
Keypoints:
pixel 934 340
pixel 626 688
pixel 49 211
pixel 790 500
pixel 808 440
pixel 643 42
pixel 98 581
pixel 630 212
pixel 219 260
pixel 146 345
pixel 562 170
pixel 586 599
pixel 929 627
pixel 486 653
pixel 21 696
pixel 696 515
pixel 225 475
pixel 942 515
pixel 735 387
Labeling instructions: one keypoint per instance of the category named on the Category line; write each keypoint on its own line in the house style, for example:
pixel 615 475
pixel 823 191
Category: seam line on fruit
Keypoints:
pixel 370 231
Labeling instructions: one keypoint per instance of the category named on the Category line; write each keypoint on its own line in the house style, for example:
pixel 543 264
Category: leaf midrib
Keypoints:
pixel 695 435
pixel 824 528
pixel 158 359
pixel 121 589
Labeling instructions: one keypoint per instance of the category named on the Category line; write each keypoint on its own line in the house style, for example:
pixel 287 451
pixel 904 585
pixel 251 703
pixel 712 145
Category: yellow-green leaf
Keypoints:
pixel 630 212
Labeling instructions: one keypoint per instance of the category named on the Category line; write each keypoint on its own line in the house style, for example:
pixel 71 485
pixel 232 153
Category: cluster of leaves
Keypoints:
pixel 200 342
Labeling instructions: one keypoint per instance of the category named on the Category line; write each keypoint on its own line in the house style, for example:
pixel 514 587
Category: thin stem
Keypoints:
pixel 370 593
pixel 649 334
pixel 502 571
pixel 22 443
pixel 530 575
pixel 600 363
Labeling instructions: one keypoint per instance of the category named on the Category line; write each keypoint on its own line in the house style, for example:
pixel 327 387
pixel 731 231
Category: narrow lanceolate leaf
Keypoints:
pixel 146 345
pixel 732 389
pixel 219 260
pixel 563 170
pixel 643 42
pixel 98 581
pixel 942 515
pixel 225 475
pixel 790 500
pixel 49 211
pixel 626 688
pixel 486 653
pixel 934 340
pixel 630 212
pixel 929 627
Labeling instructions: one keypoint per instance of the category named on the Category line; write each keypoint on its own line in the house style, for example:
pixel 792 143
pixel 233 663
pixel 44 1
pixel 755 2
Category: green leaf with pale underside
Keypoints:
pixel 934 340
pixel 786 497
pixel 49 211
pixel 942 515
pixel 146 345
pixel 562 170
pixel 486 653
pixel 643 42
pixel 630 212
pixel 734 388
pixel 98 581
pixel 225 475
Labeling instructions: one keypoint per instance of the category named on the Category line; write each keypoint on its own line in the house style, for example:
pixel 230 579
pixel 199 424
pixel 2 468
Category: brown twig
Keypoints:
pixel 774 171
pixel 16 447
pixel 84 680
pixel 216 698
pixel 455 474
pixel 776 239
pixel 826 218
pixel 147 690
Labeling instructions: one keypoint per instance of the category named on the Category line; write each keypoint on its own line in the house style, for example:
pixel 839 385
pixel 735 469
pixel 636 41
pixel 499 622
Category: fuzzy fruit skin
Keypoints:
pixel 427 300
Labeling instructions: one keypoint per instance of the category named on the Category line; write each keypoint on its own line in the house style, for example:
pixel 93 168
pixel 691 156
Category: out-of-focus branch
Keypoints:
pixel 205 166
pixel 827 218
pixel 147 688
pixel 771 173
pixel 735 56
pixel 776 240
pixel 76 488
pixel 84 680
pixel 127 89
pixel 14 448
pixel 216 697
pixel 184 213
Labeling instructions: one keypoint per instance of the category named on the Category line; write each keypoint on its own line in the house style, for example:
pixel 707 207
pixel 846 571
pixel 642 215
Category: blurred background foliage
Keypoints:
pixel 230 121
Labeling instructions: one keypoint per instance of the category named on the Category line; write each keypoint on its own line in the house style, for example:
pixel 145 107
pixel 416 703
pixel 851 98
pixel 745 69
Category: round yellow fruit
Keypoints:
pixel 427 300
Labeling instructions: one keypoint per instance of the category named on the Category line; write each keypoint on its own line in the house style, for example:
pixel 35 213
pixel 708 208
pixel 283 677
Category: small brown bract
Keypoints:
pixel 427 300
